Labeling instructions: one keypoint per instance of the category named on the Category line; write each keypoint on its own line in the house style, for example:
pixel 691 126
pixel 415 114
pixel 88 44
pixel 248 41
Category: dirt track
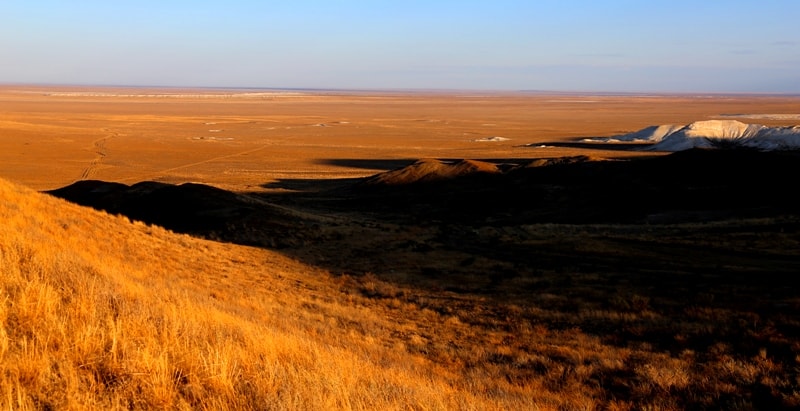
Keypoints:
pixel 99 148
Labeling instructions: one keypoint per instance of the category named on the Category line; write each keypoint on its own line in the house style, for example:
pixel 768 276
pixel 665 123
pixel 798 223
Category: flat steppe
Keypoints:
pixel 342 273
pixel 244 140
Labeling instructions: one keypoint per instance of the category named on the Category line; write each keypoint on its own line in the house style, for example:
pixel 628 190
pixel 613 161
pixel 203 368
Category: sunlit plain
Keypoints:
pixel 97 311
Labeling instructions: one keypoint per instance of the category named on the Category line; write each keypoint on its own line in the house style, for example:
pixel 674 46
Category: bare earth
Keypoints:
pixel 242 140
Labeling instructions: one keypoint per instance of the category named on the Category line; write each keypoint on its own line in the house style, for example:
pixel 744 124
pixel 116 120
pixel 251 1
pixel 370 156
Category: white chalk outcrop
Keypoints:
pixel 492 139
pixel 713 134
pixel 652 134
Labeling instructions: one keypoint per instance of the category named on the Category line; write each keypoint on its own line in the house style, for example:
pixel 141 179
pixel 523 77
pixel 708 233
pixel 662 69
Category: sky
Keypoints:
pixel 561 45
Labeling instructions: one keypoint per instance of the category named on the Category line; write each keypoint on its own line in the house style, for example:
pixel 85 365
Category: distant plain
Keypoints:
pixel 243 140
pixel 343 273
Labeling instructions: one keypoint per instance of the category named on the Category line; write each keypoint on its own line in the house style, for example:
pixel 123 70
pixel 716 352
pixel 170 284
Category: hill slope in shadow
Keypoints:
pixel 693 185
pixel 399 219
pixel 671 294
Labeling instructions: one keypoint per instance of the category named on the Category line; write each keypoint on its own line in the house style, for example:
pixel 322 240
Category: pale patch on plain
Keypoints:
pixel 763 116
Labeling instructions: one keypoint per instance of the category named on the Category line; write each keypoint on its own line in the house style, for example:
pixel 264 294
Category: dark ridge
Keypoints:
pixel 688 186
pixel 188 208
pixel 692 185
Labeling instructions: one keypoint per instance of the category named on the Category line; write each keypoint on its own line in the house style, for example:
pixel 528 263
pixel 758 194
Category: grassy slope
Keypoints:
pixel 100 312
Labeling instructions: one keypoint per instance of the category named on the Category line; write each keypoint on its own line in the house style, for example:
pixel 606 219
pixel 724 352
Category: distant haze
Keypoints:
pixel 627 46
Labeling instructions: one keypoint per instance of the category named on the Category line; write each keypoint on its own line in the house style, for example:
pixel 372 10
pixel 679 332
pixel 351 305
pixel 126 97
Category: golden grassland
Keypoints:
pixel 100 312
pixel 103 313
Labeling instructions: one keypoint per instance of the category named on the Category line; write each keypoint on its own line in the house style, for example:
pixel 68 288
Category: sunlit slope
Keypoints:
pixel 99 312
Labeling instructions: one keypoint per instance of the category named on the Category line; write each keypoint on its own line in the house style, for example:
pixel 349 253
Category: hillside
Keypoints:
pixel 103 313
pixel 553 284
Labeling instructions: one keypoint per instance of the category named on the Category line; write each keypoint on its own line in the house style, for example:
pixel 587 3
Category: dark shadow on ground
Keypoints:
pixel 392 164
pixel 595 145
pixel 716 229
pixel 368 164
pixel 309 185
pixel 479 214
pixel 691 187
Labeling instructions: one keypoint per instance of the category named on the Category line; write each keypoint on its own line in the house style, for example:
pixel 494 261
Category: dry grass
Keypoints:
pixel 98 312
pixel 102 313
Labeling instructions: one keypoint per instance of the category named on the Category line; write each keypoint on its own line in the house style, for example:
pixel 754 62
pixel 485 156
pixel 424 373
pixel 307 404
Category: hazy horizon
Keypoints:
pixel 576 46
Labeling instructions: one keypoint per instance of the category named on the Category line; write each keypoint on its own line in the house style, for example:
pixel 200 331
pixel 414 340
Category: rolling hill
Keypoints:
pixel 550 284
pixel 100 312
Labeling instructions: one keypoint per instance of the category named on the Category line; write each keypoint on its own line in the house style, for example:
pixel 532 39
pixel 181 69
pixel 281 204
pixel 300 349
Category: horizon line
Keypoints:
pixel 408 90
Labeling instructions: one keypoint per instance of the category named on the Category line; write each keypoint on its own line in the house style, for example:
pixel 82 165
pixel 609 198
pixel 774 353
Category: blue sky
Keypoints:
pixel 626 46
